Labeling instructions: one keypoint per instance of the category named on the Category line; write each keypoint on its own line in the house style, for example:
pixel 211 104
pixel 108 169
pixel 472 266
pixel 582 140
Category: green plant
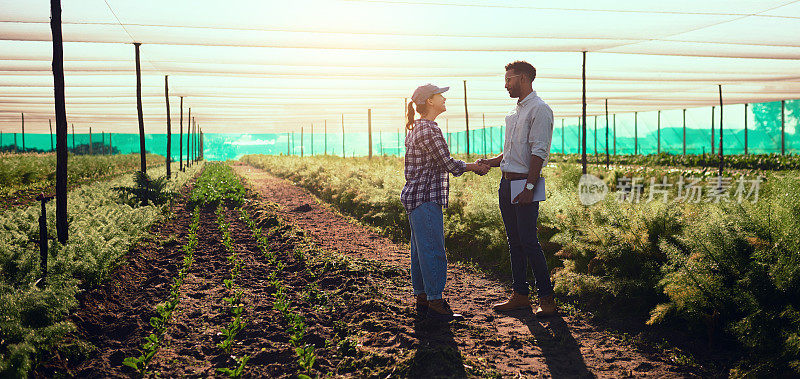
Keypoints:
pixel 145 190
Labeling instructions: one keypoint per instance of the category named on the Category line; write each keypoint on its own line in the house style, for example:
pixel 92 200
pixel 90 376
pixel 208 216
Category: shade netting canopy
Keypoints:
pixel 273 67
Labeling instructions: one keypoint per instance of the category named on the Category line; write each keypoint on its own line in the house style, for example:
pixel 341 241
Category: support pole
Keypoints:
pixel 721 156
pixel 169 128
pixel 142 157
pixel 61 123
pixel 188 135
pixel 91 148
pixel 713 109
pixel 583 114
pixel 635 133
pixel 180 141
pixel 466 115
pixel 608 157
pixel 23 131
pixel 52 144
pixel 288 145
pixel 343 153
pixel 783 129
pixel 369 131
pixel 745 128
pixel 73 133
pixel 658 134
pixel 684 132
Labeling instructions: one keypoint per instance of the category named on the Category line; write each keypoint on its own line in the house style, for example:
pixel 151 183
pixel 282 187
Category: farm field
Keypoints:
pixel 654 271
pixel 24 176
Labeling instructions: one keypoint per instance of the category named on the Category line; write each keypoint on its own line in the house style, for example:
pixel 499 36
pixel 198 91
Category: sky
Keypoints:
pixel 270 66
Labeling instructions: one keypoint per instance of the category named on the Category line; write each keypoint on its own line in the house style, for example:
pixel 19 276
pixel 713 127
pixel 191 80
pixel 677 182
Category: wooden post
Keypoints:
pixel 61 123
pixel 102 143
pixel 745 128
pixel 194 139
pixel 52 144
pixel 635 133
pixel 783 130
pixel 110 145
pixel 23 131
pixel 658 135
pixel 608 157
pixel 712 129
pixel 721 156
pixel 16 147
pixel 180 140
pixel 583 114
pixel 369 131
pixel 684 132
pixel 142 157
pixel 169 128
pixel 466 115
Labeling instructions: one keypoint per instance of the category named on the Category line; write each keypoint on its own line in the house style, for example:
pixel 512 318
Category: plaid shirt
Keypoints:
pixel 427 165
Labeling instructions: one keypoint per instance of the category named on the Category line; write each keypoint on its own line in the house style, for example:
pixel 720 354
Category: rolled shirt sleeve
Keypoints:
pixel 541 134
pixel 435 144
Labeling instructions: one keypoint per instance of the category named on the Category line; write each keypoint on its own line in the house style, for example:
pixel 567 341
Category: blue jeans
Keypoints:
pixel 428 259
pixel 523 243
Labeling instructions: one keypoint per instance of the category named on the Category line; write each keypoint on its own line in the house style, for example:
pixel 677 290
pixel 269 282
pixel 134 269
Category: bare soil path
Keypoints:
pixel 515 344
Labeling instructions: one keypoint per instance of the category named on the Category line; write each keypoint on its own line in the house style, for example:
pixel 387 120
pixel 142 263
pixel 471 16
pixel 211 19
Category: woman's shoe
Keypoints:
pixel 440 310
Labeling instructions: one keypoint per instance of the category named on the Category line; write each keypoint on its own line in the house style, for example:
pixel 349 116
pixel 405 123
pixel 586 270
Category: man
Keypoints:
pixel 529 131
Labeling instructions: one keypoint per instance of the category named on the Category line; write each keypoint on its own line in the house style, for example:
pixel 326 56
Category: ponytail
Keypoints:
pixel 410 116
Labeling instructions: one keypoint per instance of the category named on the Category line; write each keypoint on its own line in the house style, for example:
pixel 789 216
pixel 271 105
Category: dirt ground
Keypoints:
pixel 353 289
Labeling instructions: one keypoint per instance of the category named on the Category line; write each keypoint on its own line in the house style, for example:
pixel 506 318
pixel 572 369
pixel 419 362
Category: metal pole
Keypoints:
pixel 745 128
pixel 61 123
pixel 608 158
pixel 783 125
pixel 169 128
pixel 23 132
pixel 180 140
pixel 466 115
pixel 712 129
pixel 721 156
pixel 658 135
pixel 635 133
pixel 684 132
pixel 343 153
pixel 142 157
pixel 583 114
pixel 369 131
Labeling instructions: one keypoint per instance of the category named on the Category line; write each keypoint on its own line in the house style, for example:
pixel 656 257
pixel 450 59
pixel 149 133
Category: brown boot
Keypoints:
pixel 422 305
pixel 547 306
pixel 516 301
pixel 440 310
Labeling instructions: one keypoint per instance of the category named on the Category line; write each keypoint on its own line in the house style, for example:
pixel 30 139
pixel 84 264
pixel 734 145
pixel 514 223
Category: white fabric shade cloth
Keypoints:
pixel 274 66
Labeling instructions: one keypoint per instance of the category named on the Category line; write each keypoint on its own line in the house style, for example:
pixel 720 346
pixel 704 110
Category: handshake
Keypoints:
pixel 480 167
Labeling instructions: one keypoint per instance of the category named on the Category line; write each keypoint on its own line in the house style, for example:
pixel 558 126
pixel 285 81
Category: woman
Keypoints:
pixel 427 166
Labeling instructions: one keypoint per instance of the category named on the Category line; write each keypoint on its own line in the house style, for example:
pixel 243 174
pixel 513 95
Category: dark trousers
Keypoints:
pixel 523 243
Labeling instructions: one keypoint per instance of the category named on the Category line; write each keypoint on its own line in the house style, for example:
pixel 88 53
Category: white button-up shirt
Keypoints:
pixel 529 131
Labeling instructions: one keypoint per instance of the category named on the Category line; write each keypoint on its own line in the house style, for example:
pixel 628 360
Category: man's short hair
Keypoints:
pixel 522 67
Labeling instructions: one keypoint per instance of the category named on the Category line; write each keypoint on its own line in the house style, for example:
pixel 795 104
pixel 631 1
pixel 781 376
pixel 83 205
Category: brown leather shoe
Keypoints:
pixel 422 305
pixel 547 306
pixel 516 301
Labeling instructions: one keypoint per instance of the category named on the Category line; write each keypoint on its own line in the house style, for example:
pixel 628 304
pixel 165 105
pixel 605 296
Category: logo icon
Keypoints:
pixel 591 189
